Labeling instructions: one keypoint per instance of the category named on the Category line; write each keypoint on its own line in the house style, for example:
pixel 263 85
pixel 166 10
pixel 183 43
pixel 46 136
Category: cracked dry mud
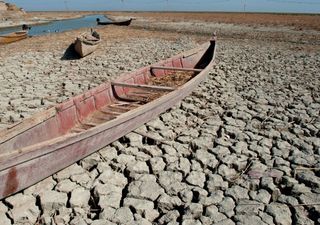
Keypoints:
pixel 243 148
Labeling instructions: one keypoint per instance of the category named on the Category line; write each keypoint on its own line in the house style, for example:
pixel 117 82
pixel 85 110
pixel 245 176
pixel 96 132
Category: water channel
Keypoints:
pixel 59 25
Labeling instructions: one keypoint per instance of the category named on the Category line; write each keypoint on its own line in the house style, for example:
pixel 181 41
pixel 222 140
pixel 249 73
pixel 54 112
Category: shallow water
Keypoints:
pixel 60 25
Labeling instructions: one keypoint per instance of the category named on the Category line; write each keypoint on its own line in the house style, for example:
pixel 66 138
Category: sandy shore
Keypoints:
pixel 244 146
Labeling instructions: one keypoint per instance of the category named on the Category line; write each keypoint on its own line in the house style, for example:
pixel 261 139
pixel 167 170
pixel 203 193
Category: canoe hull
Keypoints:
pixel 118 23
pixel 84 49
pixel 40 161
pixel 70 154
pixel 13 37
pixel 87 43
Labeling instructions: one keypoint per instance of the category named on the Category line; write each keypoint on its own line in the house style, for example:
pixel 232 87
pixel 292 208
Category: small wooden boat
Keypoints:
pixel 14 36
pixel 53 139
pixel 118 23
pixel 87 43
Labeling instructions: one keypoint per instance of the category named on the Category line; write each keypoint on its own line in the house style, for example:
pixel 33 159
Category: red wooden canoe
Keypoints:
pixel 54 139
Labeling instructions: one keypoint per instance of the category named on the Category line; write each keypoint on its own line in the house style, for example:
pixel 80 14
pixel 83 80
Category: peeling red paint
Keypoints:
pixel 11 182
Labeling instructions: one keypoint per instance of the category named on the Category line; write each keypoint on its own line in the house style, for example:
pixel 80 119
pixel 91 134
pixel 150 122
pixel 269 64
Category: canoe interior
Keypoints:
pixel 103 103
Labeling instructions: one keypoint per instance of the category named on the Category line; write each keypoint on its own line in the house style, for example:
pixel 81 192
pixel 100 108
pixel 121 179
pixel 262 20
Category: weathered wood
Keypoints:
pixel 86 43
pixel 124 107
pixel 103 116
pixel 12 37
pixel 29 163
pixel 20 127
pixel 142 92
pixel 77 130
pixel 174 68
pixel 118 23
pixel 120 103
pixel 109 112
pixel 127 98
pixel 137 97
pixel 144 86
pixel 91 124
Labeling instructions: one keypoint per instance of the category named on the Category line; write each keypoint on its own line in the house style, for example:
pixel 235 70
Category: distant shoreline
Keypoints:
pixel 155 11
pixel 294 20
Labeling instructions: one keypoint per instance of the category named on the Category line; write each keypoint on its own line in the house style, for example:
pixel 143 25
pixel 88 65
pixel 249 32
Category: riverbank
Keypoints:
pixel 244 146
pixel 36 18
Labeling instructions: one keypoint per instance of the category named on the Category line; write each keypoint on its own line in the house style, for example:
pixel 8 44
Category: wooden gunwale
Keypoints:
pixel 27 124
pixel 174 68
pixel 143 86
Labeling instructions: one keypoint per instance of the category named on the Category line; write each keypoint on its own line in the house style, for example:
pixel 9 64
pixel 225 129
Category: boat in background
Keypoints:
pixel 15 36
pixel 87 43
pixel 118 23
pixel 51 140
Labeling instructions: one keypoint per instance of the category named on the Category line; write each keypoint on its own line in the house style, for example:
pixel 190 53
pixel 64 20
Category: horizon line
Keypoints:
pixel 178 11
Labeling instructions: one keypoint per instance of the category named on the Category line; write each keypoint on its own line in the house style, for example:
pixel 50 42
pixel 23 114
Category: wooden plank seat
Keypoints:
pixel 174 68
pixel 144 86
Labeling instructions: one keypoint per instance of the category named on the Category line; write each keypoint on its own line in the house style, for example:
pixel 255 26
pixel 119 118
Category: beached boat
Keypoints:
pixel 53 139
pixel 14 36
pixel 87 43
pixel 118 23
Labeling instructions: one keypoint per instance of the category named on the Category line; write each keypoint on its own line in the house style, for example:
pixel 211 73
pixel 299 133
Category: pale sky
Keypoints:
pixel 299 6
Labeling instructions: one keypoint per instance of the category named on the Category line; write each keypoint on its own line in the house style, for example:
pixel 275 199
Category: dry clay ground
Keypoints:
pixel 243 148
